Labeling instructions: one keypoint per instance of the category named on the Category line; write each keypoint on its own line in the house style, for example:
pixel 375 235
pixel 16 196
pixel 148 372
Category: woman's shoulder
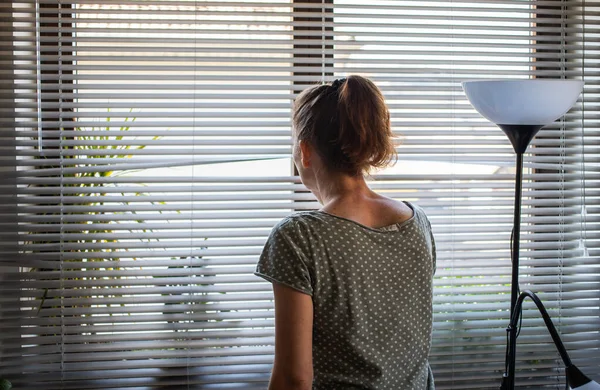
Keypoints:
pixel 300 222
pixel 419 212
pixel 315 223
pixel 300 217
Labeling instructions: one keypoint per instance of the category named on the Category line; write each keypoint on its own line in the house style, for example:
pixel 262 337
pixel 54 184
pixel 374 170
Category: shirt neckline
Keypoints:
pixel 384 229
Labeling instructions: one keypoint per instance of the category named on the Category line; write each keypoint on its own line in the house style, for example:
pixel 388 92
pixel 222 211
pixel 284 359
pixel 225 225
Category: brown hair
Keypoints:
pixel 348 123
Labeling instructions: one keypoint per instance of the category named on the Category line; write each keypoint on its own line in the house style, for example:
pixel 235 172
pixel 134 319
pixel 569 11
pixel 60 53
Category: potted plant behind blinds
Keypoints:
pixel 80 183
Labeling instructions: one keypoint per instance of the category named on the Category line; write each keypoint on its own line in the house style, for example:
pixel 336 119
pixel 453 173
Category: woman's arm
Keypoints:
pixel 292 369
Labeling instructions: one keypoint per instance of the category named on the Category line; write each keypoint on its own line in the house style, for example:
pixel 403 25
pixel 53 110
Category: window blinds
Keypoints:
pixel 145 158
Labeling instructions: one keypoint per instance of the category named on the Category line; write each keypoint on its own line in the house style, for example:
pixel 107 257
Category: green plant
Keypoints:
pixel 5 384
pixel 80 183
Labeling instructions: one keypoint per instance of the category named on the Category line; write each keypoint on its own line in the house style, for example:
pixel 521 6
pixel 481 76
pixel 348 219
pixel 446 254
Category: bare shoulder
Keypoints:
pixel 376 211
pixel 391 211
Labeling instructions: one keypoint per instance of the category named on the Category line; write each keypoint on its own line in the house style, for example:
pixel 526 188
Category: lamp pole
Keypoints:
pixel 514 288
pixel 520 136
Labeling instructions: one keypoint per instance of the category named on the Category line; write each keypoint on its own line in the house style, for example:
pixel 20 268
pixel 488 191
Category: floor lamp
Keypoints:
pixel 521 108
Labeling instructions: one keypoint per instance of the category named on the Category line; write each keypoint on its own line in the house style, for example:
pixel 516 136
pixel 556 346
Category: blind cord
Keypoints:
pixel 38 62
pixel 561 217
pixel 62 210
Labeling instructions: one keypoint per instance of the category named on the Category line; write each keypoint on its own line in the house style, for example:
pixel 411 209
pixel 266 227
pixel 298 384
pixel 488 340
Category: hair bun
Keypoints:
pixel 338 83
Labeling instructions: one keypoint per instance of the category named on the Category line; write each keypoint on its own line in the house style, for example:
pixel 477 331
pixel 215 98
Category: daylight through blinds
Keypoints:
pixel 146 157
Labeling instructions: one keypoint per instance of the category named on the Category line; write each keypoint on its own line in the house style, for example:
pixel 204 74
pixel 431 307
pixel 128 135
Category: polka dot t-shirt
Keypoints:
pixel 371 292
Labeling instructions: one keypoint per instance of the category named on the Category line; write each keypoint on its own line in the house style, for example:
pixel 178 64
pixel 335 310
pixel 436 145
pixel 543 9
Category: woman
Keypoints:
pixel 352 281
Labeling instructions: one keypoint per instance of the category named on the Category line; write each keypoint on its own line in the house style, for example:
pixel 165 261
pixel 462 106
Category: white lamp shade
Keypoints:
pixel 522 102
pixel 588 386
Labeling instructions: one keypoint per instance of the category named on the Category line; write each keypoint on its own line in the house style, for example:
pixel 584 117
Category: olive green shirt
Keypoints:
pixel 372 296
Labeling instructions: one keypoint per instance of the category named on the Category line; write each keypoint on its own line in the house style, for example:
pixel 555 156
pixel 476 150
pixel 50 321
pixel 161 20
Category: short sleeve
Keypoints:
pixel 433 248
pixel 283 260
pixel 426 225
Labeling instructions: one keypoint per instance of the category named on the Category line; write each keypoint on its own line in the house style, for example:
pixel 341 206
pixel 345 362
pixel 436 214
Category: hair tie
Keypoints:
pixel 338 83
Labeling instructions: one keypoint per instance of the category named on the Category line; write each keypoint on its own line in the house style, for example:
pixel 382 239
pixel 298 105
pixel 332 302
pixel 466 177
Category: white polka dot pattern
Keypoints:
pixel 372 296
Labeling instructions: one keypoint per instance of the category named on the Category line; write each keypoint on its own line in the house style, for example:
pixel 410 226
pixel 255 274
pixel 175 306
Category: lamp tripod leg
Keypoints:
pixel 575 378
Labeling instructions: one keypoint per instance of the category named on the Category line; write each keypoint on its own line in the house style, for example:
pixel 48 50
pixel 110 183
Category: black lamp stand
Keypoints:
pixel 520 136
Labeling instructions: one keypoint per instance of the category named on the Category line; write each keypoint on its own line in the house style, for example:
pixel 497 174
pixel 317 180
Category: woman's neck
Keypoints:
pixel 338 189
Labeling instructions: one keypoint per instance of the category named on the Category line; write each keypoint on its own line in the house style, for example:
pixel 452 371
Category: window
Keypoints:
pixel 146 157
